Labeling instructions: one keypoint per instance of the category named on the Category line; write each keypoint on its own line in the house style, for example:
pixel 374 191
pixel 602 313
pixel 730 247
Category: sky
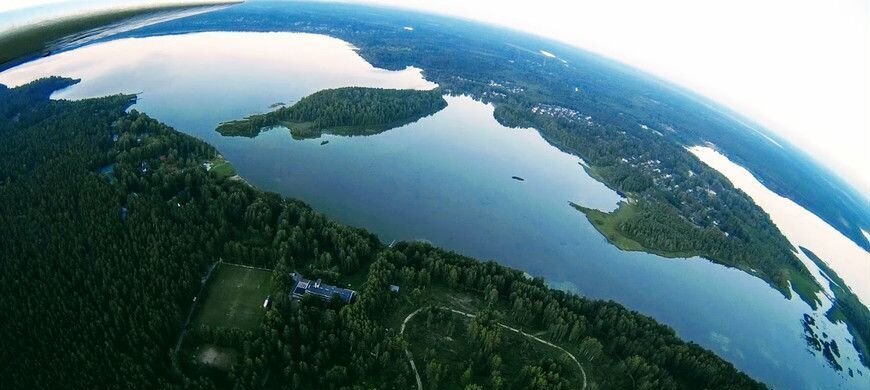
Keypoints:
pixel 801 68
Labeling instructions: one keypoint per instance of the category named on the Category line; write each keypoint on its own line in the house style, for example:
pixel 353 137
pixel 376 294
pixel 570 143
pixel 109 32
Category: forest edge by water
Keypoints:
pixel 646 221
pixel 343 111
pixel 143 241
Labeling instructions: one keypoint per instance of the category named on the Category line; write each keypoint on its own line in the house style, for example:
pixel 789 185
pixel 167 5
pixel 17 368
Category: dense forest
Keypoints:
pixel 686 207
pixel 584 105
pixel 343 111
pixel 631 128
pixel 100 265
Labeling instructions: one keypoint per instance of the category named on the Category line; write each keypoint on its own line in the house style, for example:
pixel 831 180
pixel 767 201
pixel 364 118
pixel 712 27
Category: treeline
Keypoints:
pixel 343 111
pixel 456 352
pixel 97 273
pixel 312 343
pixel 515 77
pixel 617 347
pixel 684 206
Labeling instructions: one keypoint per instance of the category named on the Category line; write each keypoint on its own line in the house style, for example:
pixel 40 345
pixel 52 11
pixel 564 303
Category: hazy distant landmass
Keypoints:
pixel 166 223
pixel 791 173
pixel 637 118
pixel 173 220
pixel 678 114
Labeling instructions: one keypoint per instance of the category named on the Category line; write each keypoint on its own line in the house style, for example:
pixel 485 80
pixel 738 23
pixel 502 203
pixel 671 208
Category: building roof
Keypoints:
pixel 321 290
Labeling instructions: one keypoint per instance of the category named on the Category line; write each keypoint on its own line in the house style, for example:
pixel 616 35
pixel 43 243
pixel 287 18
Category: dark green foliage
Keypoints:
pixel 93 300
pixel 344 111
pixel 456 352
pixel 507 70
pixel 697 213
pixel 618 348
pixel 847 308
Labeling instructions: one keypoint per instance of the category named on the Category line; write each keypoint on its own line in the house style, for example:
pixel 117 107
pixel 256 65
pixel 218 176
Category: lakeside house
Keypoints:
pixel 302 287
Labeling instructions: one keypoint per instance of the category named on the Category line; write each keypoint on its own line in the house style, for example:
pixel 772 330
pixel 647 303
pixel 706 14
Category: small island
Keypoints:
pixel 227 261
pixel 343 111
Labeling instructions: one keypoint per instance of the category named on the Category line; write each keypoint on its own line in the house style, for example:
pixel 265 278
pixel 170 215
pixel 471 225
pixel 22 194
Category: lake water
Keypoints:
pixel 801 227
pixel 447 179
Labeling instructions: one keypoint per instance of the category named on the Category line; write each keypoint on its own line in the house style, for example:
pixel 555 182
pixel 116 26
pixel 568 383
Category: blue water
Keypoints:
pixel 447 179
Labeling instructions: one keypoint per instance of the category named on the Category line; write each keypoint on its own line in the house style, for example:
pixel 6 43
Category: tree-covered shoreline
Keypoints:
pixel 630 127
pixel 343 111
pixel 98 275
pixel 581 117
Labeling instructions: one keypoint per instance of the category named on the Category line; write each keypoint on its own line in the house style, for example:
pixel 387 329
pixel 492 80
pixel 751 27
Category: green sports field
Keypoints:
pixel 234 298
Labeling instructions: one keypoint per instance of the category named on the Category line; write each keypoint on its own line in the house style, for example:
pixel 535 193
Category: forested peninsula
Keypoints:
pixel 343 111
pixel 101 268
pixel 679 206
pixel 631 130
pixel 632 144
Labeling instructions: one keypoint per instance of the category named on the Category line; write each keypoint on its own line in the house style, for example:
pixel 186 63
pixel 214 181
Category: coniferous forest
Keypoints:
pixel 630 129
pixel 110 221
pixel 344 111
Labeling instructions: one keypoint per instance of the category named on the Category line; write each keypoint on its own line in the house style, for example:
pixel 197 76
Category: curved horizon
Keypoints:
pixel 533 18
pixel 750 296
pixel 18 13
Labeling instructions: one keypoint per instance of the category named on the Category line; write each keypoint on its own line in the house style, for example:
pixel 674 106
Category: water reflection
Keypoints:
pixel 800 226
pixel 446 178
pixel 224 75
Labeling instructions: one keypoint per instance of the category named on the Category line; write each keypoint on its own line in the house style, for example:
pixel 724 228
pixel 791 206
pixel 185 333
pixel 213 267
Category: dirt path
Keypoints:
pixel 408 351
pixel 469 315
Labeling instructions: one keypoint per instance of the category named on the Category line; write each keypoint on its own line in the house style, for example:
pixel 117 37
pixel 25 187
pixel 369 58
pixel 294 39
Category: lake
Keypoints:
pixel 447 179
pixel 801 227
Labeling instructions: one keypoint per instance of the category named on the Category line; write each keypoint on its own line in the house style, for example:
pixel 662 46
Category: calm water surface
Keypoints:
pixel 445 179
pixel 800 226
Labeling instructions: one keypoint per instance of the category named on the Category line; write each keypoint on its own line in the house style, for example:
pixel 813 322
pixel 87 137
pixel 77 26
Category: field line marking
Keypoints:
pixel 247 266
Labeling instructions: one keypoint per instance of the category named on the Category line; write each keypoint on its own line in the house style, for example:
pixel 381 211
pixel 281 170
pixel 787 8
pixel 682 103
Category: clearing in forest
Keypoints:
pixel 234 297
